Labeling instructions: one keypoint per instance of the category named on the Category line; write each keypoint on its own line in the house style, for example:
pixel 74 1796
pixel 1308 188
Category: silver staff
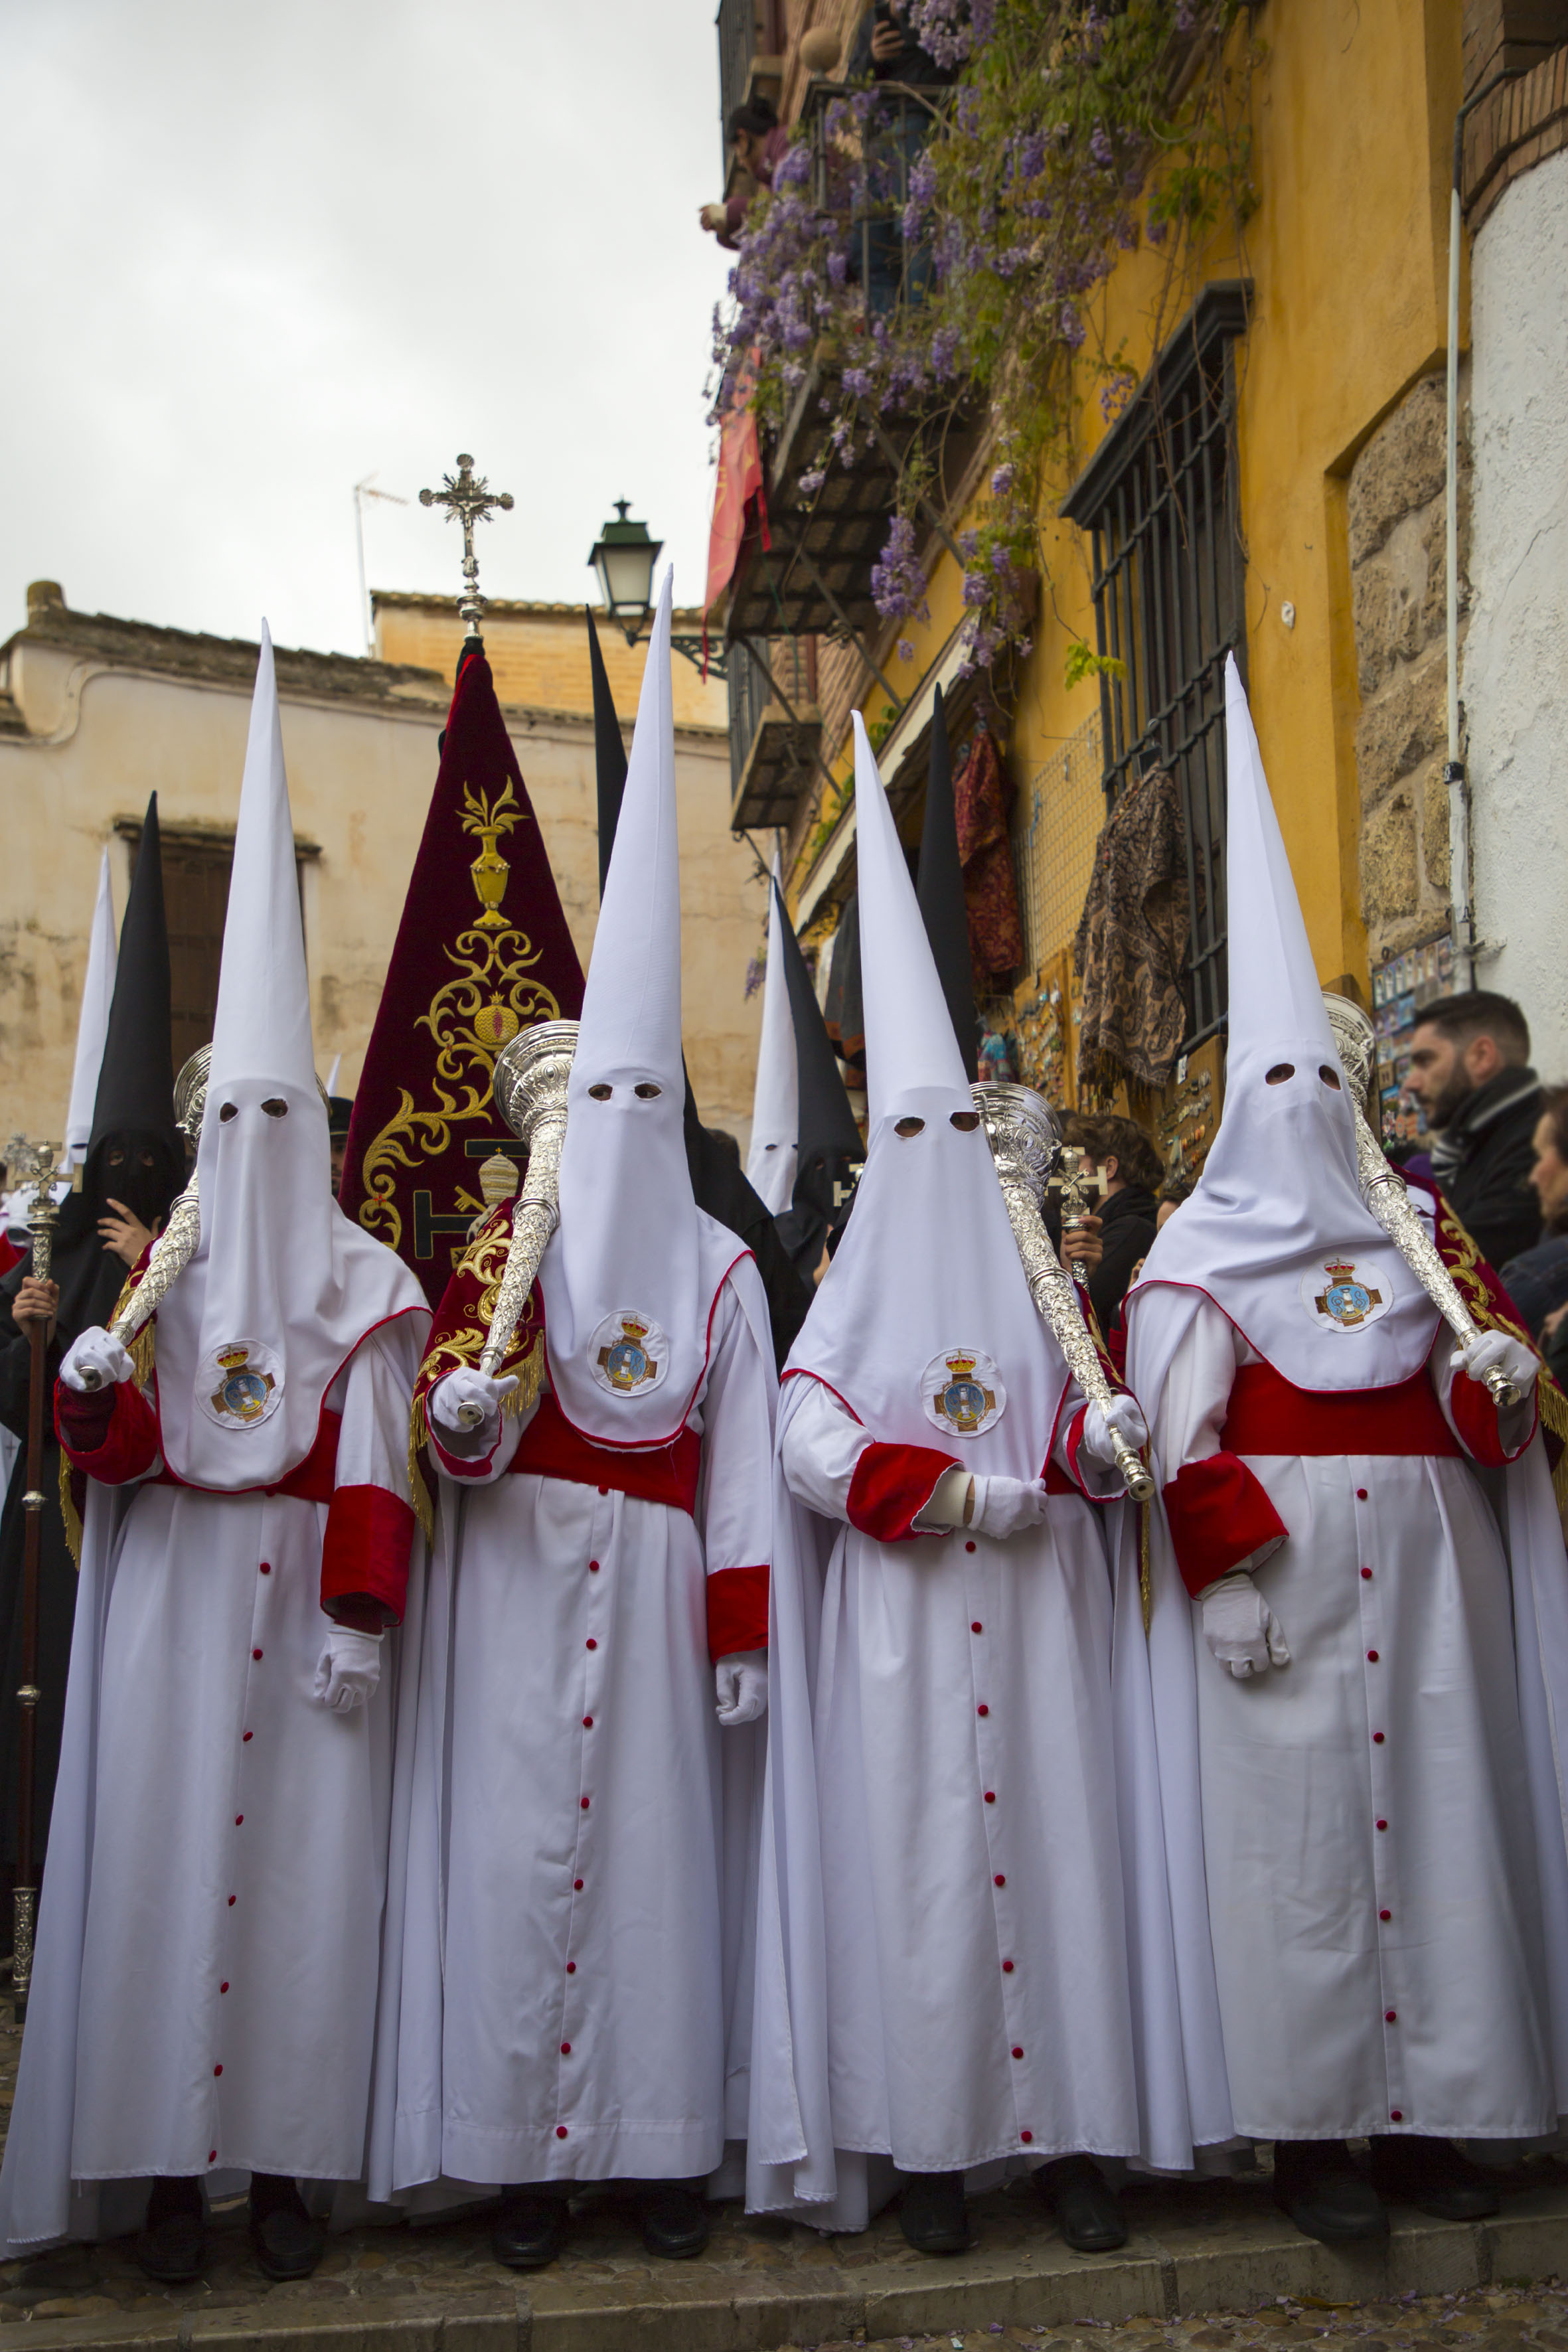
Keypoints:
pixel 176 1245
pixel 1386 1194
pixel 1025 1140
pixel 531 1094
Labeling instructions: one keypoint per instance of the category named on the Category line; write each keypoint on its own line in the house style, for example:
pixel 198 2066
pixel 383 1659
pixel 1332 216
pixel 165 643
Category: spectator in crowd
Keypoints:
pixel 1119 1149
pixel 1537 1279
pixel 1173 1193
pixel 1469 1066
pixel 758 140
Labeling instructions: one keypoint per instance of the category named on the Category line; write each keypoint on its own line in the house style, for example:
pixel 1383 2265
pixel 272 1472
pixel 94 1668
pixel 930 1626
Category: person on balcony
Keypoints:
pixel 757 141
pixel 887 51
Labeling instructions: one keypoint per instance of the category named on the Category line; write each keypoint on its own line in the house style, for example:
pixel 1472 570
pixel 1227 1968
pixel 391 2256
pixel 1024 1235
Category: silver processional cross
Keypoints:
pixel 468 498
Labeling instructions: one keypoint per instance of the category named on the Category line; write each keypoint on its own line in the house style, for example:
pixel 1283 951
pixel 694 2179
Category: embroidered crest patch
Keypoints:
pixel 962 1392
pixel 248 1384
pixel 1337 1300
pixel 628 1353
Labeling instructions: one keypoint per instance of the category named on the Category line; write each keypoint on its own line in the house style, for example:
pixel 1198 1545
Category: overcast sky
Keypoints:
pixel 257 250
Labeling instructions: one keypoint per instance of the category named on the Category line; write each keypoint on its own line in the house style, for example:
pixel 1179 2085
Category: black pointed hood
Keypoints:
pixel 940 889
pixel 829 1141
pixel 136 1086
pixel 609 750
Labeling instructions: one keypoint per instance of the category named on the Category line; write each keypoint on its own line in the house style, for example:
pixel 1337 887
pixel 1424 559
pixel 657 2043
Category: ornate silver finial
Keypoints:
pixel 36 1165
pixel 468 498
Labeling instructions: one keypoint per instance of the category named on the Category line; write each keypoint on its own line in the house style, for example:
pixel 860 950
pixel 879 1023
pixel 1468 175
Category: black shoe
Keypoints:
pixel 286 2242
pixel 173 2245
pixel 934 2217
pixel 674 2222
pixel 1087 2211
pixel 530 2230
pixel 1316 2183
pixel 1433 2175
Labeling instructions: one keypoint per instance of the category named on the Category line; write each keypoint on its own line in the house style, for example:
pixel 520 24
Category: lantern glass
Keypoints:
pixel 623 560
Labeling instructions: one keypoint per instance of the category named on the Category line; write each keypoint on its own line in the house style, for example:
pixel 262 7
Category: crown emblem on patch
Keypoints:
pixel 961 1392
pixel 247 1391
pixel 626 1363
pixel 1345 1301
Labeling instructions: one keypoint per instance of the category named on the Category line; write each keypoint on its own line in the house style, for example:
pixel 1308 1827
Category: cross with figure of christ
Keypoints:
pixel 468 498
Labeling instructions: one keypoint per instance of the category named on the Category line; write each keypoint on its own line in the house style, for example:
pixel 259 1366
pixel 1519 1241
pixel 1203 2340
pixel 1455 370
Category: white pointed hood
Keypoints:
pixel 1278 1213
pixel 776 1106
pixel 281 1288
pixel 92 1026
pixel 924 1313
pixel 629 1277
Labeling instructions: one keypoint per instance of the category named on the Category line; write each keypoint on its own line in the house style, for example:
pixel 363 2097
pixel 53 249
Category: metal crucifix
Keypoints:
pixel 468 498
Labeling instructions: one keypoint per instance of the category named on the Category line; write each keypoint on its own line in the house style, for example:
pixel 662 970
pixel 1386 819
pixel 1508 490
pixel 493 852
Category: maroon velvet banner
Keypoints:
pixel 482 951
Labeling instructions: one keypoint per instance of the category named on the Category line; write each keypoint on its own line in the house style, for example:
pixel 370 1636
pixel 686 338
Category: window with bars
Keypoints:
pixel 1160 507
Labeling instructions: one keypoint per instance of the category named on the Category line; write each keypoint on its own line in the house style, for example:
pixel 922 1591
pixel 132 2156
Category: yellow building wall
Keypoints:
pixel 1351 113
pixel 539 655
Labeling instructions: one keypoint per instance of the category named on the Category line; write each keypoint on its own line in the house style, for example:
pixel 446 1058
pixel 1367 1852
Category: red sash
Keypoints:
pixel 1268 1415
pixel 664 1473
pixel 314 1480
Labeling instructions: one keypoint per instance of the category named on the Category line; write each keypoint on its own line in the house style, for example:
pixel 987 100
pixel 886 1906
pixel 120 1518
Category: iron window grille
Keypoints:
pixel 1160 504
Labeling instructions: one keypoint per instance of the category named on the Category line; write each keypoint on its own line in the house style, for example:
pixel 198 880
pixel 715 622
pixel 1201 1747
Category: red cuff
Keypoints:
pixel 891 1486
pixel 1478 1424
pixel 460 1465
pixel 1218 1513
pixel 111 1435
pixel 737 1610
pixel 1080 1484
pixel 365 1552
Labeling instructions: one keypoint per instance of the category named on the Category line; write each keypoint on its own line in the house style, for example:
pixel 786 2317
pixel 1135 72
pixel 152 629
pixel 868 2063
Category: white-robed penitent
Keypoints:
pixel 567 1996
pixel 968 1952
pixel 1382 1815
pixel 775 1104
pixel 203 1995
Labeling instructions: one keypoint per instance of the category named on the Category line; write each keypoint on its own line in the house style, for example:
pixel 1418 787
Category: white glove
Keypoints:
pixel 467 1386
pixel 1122 1416
pixel 95 1351
pixel 741 1683
pixel 1004 1506
pixel 347 1670
pixel 1475 1360
pixel 1240 1628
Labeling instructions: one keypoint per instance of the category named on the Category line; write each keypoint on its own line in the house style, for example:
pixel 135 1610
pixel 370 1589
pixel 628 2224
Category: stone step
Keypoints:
pixel 1238 2260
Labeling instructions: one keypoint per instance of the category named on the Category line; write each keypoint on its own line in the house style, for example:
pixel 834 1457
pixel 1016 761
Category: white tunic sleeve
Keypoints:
pixel 821 1447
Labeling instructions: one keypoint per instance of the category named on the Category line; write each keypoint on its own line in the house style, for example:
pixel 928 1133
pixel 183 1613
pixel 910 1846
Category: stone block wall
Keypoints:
pixel 1396 552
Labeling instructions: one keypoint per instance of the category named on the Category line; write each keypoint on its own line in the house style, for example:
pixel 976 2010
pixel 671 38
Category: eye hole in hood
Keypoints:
pixel 906 1126
pixel 1279 1073
pixel 1330 1078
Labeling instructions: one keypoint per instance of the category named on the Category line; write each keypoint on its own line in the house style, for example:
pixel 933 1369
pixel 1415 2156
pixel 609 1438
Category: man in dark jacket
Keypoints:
pixel 1122 1153
pixel 1469 1064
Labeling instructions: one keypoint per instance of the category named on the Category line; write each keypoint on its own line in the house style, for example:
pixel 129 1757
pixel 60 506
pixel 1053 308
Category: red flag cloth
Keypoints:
pixel 482 951
pixel 982 796
pixel 740 480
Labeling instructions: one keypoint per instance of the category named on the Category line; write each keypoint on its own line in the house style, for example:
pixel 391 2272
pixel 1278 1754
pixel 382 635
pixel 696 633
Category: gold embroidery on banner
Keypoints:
pixel 491 995
pixel 483 1262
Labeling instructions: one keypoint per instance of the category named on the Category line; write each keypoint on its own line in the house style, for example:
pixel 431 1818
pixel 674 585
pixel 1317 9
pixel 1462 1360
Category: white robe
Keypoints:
pixel 999 1979
pixel 1372 1811
pixel 567 1989
pixel 204 1985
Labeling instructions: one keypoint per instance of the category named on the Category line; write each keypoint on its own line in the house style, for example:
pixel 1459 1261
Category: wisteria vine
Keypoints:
pixel 1072 134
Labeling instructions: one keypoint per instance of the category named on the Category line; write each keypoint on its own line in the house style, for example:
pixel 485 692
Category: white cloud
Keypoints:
pixel 256 251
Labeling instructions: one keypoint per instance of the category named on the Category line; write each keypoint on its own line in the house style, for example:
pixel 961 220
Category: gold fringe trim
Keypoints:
pixel 69 1511
pixel 423 1488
